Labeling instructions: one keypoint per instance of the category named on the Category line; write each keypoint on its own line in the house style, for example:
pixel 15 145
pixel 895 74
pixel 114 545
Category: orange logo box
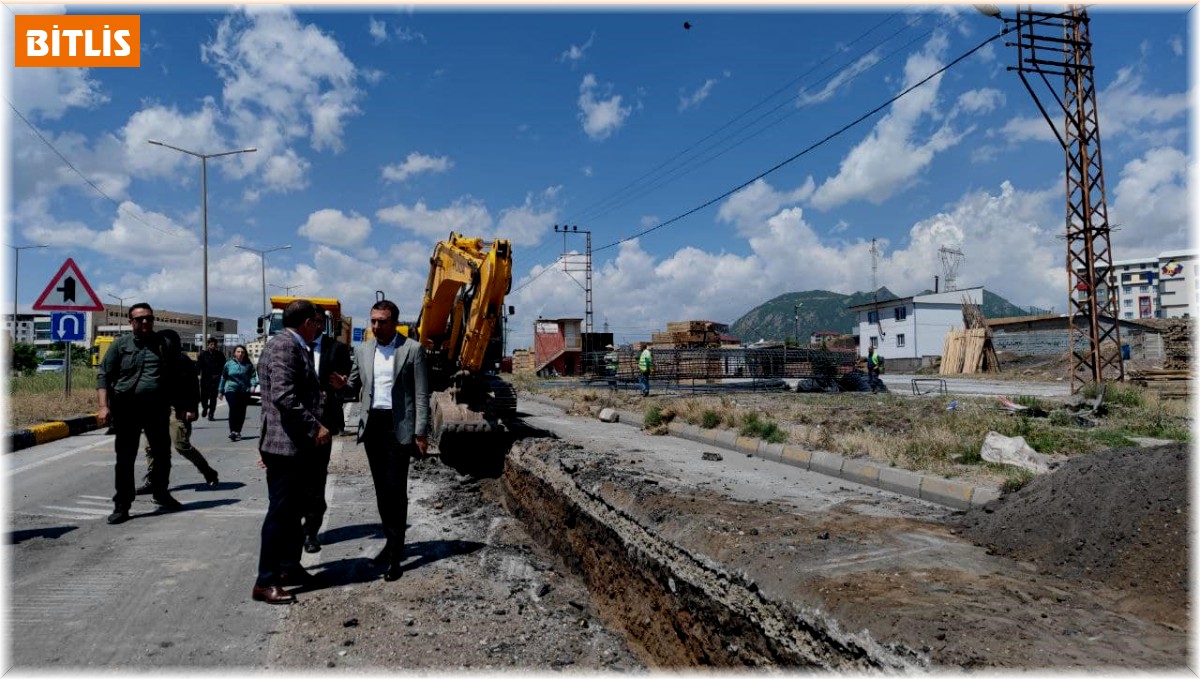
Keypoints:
pixel 78 40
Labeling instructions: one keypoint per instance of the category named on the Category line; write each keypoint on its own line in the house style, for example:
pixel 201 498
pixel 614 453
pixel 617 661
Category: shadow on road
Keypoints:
pixel 202 487
pixel 51 533
pixel 435 550
pixel 344 533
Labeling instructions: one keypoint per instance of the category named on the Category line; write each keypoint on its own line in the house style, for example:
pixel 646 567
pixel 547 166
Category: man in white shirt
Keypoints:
pixel 390 377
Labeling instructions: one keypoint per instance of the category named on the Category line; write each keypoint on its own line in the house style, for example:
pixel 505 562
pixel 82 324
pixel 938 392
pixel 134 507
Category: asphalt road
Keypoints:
pixel 161 590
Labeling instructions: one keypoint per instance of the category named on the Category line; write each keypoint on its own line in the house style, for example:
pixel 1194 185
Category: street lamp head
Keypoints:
pixel 249 150
pixel 989 10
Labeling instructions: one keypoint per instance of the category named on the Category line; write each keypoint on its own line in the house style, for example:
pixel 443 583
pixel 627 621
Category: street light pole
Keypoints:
pixel 204 212
pixel 120 300
pixel 796 319
pixel 263 258
pixel 16 279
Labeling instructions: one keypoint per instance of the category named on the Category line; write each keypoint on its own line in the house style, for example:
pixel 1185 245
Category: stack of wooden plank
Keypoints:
pixel 1168 383
pixel 968 351
pixel 522 361
pixel 689 335
pixel 1177 345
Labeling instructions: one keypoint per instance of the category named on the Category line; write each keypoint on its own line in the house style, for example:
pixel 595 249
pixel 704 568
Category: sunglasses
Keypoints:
pixel 143 319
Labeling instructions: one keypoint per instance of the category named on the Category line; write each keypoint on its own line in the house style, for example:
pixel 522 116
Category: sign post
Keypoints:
pixel 68 291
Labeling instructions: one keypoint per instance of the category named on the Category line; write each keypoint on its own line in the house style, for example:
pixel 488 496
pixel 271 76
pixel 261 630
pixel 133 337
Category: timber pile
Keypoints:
pixel 1168 383
pixel 1177 345
pixel 969 350
pixel 522 361
pixel 689 335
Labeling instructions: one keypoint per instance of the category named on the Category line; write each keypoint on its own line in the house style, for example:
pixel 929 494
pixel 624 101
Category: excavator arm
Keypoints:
pixel 464 298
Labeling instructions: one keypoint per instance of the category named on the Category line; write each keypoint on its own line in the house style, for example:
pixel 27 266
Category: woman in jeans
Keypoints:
pixel 237 378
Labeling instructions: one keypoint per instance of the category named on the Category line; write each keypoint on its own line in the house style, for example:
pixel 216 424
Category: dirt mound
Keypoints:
pixel 1119 516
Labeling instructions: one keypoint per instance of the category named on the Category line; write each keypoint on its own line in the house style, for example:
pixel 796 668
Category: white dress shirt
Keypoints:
pixel 385 357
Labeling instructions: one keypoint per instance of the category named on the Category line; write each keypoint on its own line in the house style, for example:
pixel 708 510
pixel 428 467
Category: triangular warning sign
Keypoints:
pixel 68 291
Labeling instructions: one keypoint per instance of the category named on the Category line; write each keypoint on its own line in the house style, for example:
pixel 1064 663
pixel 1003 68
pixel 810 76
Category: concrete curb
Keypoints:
pixel 45 432
pixel 946 492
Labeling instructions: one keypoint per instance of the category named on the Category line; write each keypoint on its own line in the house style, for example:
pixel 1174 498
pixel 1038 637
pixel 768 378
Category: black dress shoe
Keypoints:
pixel 119 515
pixel 393 572
pixel 311 544
pixel 272 595
pixel 167 503
pixel 210 478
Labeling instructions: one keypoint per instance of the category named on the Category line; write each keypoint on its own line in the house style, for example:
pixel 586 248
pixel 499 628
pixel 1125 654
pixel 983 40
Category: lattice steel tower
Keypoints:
pixel 951 258
pixel 1058 44
pixel 586 270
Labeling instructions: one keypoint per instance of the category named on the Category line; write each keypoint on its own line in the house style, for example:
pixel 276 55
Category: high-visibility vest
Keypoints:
pixel 645 360
pixel 876 361
pixel 610 361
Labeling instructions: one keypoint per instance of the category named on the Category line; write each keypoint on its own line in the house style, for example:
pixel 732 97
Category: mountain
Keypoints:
pixel 775 319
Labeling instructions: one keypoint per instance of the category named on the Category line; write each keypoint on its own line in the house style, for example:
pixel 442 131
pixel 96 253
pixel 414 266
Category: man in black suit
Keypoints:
pixel 333 366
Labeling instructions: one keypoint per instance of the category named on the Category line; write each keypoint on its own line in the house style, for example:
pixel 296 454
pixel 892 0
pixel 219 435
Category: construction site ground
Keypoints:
pixel 600 547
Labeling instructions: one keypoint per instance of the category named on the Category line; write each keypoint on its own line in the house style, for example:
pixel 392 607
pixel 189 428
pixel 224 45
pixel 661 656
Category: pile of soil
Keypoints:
pixel 1118 516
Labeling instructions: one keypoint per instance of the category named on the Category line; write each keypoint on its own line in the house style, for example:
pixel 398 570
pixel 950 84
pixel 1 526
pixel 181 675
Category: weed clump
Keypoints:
pixel 753 425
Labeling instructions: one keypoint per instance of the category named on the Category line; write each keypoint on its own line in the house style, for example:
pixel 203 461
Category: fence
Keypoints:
pixel 713 365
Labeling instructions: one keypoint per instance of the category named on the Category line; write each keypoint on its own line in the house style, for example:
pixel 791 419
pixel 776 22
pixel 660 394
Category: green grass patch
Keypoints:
pixel 709 419
pixel 653 417
pixel 1015 480
pixel 755 426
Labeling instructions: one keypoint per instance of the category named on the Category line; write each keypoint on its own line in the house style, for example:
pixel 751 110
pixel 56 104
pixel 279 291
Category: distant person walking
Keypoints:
pixel 211 362
pixel 390 374
pixel 181 424
pixel 237 378
pixel 610 365
pixel 291 432
pixel 333 366
pixel 142 370
pixel 645 369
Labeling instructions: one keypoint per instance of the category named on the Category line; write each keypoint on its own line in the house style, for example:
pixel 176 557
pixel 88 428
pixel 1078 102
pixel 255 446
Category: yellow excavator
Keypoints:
pixel 460 328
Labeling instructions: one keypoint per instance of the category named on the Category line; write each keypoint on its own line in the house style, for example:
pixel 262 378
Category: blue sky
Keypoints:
pixel 381 129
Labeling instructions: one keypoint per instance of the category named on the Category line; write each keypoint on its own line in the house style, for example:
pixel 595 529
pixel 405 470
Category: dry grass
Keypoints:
pixel 40 398
pixel 916 434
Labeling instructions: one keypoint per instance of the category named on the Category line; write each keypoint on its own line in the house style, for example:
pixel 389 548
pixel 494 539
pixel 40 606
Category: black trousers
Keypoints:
pixel 132 415
pixel 388 460
pixel 316 471
pixel 208 394
pixel 282 538
pixel 238 401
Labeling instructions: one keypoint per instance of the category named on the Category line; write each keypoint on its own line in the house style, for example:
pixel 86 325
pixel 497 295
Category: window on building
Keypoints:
pixel 1145 288
pixel 1128 289
pixel 872 316
pixel 1128 314
pixel 901 313
pixel 900 339
pixel 873 342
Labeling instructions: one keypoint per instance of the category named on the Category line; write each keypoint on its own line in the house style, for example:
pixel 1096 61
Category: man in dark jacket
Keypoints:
pixel 291 433
pixel 211 361
pixel 181 424
pixel 142 370
pixel 333 364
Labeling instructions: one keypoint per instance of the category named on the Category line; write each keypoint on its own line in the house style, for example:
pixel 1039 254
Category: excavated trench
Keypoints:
pixel 676 609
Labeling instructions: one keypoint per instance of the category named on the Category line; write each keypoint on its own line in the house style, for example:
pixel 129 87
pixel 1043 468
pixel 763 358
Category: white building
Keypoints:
pixel 1163 286
pixel 912 327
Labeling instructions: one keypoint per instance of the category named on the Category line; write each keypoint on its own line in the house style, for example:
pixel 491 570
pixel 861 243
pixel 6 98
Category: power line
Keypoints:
pixel 812 147
pixel 590 211
pixel 68 163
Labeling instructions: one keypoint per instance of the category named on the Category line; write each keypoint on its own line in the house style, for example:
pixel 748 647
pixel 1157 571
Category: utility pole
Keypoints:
pixel 875 284
pixel 796 321
pixel 951 258
pixel 587 270
pixel 1059 44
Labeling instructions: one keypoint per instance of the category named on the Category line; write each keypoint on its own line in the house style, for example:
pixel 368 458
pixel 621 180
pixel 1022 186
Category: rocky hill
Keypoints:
pixel 825 310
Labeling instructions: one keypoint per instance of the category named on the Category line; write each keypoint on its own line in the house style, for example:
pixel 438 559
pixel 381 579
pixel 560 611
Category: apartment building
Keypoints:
pixel 1162 286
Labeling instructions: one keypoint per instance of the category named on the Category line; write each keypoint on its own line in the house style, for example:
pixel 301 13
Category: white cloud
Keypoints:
pixel 1149 209
pixel 689 100
pixel 196 131
pixel 844 77
pixel 286 172
pixel 377 29
pixel 281 72
pixel 893 154
pixel 1177 46
pixel 983 100
pixel 575 53
pixel 414 164
pixel 466 215
pixel 335 228
pixel 600 117
pixel 749 208
pixel 525 224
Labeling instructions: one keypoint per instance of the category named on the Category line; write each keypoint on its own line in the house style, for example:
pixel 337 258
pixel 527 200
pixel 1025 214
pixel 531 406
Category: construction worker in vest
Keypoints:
pixel 645 367
pixel 610 365
pixel 874 366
